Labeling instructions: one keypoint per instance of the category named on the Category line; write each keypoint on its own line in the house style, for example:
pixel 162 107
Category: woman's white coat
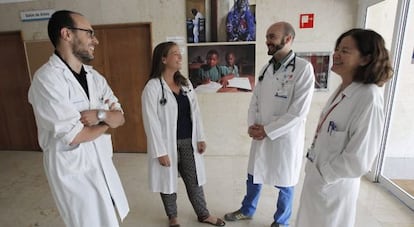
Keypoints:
pixel 341 157
pixel 160 124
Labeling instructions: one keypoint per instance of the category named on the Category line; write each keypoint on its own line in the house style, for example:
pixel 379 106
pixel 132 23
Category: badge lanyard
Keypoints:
pixel 323 119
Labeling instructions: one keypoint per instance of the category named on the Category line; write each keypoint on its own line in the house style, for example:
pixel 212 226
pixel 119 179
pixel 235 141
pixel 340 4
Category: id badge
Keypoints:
pixel 281 93
pixel 311 154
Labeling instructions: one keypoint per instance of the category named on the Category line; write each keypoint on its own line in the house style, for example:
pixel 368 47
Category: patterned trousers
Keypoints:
pixel 187 170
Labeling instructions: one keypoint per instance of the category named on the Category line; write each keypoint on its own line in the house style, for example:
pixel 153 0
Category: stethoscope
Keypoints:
pixel 292 64
pixel 163 100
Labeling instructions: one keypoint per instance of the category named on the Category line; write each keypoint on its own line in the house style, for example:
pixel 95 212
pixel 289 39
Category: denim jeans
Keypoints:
pixel 283 205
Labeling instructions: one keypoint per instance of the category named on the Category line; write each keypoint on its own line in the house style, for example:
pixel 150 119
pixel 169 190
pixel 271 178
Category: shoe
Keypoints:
pixel 218 222
pixel 274 224
pixel 236 216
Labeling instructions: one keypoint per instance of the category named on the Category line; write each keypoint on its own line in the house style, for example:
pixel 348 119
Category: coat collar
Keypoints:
pixel 57 62
pixel 350 90
pixel 346 93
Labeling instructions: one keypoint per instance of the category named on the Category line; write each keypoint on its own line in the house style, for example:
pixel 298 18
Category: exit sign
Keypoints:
pixel 306 20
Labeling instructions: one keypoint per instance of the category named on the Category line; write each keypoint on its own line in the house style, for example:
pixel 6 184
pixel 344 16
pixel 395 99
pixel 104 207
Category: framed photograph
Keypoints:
pixel 222 68
pixel 196 21
pixel 240 21
pixel 321 62
pixel 220 21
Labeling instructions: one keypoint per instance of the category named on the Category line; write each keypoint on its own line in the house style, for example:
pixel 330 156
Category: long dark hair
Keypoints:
pixel 161 51
pixel 370 44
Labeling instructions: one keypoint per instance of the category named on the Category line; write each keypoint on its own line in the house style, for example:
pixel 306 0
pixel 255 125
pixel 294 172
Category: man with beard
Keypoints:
pixel 276 118
pixel 74 107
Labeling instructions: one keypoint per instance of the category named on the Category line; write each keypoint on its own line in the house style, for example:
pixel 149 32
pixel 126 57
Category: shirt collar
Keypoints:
pixel 81 73
pixel 284 61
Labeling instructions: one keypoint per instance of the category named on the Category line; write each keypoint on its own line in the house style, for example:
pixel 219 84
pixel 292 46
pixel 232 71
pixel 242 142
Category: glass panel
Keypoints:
pixel 399 154
pixel 380 17
pixel 398 164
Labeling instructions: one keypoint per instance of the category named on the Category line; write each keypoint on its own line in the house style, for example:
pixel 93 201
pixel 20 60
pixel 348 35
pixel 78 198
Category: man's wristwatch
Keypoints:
pixel 101 115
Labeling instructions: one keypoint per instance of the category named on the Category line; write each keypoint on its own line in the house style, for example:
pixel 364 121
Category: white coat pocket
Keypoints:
pixel 72 159
pixel 337 140
pixel 80 103
pixel 284 92
pixel 313 175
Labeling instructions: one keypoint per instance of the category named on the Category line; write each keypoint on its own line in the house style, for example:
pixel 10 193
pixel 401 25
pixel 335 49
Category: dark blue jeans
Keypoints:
pixel 283 206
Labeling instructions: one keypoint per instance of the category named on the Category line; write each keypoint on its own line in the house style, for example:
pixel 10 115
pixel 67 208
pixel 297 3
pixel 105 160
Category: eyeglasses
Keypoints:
pixel 90 32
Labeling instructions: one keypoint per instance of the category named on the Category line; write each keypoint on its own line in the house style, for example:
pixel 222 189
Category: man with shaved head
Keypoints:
pixel 276 118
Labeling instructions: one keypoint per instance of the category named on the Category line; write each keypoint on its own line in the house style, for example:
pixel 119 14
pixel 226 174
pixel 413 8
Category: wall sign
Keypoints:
pixel 13 1
pixel 306 20
pixel 34 15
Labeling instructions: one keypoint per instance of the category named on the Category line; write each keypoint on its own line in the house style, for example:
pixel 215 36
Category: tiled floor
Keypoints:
pixel 26 200
pixel 407 185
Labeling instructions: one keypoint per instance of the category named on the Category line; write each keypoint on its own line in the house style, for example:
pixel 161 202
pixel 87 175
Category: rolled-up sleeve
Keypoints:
pixel 55 114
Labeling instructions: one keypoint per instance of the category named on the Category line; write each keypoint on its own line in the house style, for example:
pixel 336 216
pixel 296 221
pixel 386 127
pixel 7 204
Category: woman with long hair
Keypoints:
pixel 175 137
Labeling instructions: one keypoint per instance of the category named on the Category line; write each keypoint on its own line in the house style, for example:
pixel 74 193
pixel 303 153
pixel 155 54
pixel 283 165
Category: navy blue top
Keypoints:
pixel 81 77
pixel 184 124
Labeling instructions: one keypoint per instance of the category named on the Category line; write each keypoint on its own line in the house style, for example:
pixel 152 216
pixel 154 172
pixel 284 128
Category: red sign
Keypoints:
pixel 306 20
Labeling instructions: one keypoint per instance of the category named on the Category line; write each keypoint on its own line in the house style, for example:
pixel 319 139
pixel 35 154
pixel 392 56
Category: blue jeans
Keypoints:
pixel 283 206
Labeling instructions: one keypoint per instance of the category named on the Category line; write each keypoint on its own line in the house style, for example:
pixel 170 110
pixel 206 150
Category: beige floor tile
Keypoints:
pixel 26 200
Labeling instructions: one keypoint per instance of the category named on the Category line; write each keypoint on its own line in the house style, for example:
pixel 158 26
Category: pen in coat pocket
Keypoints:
pixel 331 127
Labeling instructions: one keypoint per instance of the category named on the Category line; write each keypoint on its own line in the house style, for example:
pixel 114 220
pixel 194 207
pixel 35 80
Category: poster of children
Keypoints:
pixel 223 68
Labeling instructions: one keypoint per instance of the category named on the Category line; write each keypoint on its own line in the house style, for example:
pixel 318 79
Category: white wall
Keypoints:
pixel 381 18
pixel 224 114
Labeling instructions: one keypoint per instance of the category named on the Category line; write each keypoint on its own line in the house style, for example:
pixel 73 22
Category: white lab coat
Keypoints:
pixel 160 124
pixel 82 178
pixel 280 102
pixel 341 157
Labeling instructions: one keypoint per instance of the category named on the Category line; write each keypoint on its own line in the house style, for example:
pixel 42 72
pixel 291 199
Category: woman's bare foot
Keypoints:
pixel 174 222
pixel 213 221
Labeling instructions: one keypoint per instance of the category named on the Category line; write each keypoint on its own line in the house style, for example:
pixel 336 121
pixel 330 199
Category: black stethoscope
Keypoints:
pixel 163 100
pixel 292 64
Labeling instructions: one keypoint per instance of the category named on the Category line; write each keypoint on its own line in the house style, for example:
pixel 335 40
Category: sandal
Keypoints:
pixel 219 222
